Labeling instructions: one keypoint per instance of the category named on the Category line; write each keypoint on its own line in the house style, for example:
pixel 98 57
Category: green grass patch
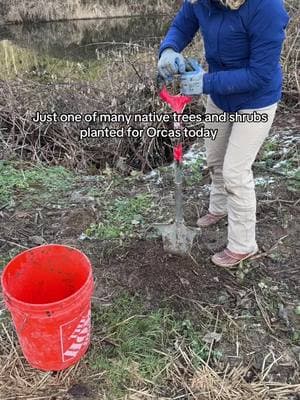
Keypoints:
pixel 296 338
pixel 280 154
pixel 270 148
pixel 34 181
pixel 195 169
pixel 121 217
pixel 140 344
pixel 5 258
pixel 293 183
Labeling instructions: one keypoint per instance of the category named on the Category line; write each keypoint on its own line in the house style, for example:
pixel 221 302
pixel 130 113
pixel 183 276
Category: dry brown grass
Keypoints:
pixel 43 10
pixel 18 381
pixel 207 383
pixel 232 385
pixel 26 11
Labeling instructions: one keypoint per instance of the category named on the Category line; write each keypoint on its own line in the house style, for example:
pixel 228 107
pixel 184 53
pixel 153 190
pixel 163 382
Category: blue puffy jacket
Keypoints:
pixel 242 49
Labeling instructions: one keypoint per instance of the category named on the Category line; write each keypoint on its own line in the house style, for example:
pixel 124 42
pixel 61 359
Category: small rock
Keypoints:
pixel 78 197
pixel 90 178
pixel 184 282
pixel 211 337
pixel 283 315
pixel 121 164
pixel 38 240
pixel 223 298
pixel 135 222
pixel 245 303
pixel 262 285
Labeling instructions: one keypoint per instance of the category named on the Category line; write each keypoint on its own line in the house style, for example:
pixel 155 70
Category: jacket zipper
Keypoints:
pixel 218 39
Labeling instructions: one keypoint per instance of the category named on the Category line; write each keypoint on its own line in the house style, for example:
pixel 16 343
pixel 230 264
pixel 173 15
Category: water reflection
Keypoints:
pixel 87 39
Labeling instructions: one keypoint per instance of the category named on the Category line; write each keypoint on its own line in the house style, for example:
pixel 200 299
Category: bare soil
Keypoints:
pixel 253 307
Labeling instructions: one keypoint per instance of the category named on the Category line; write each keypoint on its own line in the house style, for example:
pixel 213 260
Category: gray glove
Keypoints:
pixel 192 80
pixel 170 64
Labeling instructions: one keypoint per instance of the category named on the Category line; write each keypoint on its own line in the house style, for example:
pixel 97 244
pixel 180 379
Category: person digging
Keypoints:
pixel 243 41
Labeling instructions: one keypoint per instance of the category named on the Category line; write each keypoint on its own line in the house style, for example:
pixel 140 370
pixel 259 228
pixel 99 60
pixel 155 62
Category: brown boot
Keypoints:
pixel 228 259
pixel 209 219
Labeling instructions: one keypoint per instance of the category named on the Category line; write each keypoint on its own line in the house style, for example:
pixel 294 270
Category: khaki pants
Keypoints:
pixel 230 157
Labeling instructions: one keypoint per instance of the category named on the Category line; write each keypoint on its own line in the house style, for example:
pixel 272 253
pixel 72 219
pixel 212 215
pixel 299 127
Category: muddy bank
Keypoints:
pixel 32 11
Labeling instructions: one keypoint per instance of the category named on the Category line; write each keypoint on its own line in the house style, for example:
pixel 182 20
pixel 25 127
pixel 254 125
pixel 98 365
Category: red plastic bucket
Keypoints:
pixel 48 291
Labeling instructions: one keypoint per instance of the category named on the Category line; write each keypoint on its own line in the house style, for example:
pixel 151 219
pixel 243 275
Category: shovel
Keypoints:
pixel 177 238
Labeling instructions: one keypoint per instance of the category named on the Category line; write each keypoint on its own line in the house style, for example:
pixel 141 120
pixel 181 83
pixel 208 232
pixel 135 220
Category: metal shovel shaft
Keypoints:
pixel 177 238
pixel 178 193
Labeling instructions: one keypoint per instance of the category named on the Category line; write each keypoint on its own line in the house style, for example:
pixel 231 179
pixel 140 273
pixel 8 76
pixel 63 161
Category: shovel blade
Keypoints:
pixel 177 238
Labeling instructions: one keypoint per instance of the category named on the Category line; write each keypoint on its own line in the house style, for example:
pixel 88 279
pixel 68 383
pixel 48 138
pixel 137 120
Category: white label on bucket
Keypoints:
pixel 72 342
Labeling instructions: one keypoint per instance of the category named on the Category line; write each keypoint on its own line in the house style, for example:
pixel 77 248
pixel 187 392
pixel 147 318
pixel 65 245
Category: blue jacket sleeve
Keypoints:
pixel 266 35
pixel 182 29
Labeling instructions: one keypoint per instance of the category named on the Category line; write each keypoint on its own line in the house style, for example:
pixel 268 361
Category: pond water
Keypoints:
pixel 83 40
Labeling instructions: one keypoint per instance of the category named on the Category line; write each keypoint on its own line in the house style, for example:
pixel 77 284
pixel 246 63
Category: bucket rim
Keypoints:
pixel 55 305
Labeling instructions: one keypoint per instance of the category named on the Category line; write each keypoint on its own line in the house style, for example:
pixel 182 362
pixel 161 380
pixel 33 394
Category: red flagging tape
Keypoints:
pixel 178 152
pixel 177 103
